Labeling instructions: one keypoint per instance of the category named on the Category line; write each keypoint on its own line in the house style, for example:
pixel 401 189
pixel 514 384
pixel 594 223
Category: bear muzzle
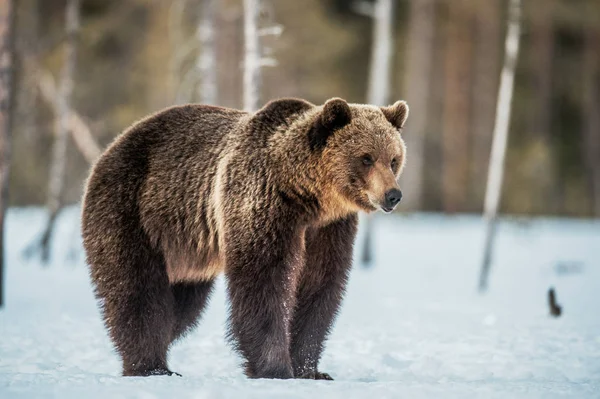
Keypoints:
pixel 391 199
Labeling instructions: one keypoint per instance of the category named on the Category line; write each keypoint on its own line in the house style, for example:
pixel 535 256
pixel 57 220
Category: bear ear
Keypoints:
pixel 396 114
pixel 335 115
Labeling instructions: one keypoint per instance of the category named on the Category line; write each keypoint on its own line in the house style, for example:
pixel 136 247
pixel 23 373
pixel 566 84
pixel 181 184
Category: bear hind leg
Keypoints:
pixel 138 309
pixel 190 299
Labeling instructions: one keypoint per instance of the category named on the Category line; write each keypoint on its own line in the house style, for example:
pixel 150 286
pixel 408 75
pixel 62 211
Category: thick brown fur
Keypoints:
pixel 269 198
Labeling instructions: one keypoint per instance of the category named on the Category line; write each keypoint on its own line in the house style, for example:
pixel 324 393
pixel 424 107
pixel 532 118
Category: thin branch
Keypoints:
pixel 503 110
pixel 80 131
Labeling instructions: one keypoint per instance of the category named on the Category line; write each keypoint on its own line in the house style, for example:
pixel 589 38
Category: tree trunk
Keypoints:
pixel 421 38
pixel 59 150
pixel 252 57
pixel 27 38
pixel 591 112
pixel 486 72
pixel 378 90
pixel 206 63
pixel 501 125
pixel 6 63
pixel 457 110
pixel 381 54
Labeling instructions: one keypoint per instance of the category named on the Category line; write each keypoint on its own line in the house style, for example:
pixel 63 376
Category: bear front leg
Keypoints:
pixel 320 292
pixel 261 266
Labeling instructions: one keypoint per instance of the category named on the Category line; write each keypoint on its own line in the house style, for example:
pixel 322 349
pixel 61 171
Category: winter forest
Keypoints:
pixel 482 283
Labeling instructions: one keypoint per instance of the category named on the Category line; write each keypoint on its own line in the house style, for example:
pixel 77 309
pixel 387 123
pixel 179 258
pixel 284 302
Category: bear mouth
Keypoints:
pixel 377 206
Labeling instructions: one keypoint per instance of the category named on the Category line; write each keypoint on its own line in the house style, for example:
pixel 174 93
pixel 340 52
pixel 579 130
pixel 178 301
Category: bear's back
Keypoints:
pixel 159 172
pixel 175 198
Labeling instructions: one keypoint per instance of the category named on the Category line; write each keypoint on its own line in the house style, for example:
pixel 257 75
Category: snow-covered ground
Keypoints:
pixel 413 326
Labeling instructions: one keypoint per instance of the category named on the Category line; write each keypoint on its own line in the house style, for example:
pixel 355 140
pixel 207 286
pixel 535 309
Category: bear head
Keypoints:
pixel 361 151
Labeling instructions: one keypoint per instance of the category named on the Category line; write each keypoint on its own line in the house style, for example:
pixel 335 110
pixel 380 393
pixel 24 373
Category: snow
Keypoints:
pixel 412 326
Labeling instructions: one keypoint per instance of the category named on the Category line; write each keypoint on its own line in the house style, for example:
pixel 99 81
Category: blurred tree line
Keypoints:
pixel 135 57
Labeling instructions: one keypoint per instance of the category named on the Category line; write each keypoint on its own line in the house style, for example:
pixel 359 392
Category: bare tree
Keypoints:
pixel 500 138
pixel 59 150
pixel 591 109
pixel 379 84
pixel 193 79
pixel 419 58
pixel 6 63
pixel 254 58
pixel 381 54
pixel 207 63
pixel 251 55
pixel 27 42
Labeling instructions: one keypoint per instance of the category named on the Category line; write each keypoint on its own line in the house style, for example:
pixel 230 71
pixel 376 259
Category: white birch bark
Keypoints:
pixel 381 54
pixel 80 132
pixel 500 136
pixel 206 62
pixel 252 55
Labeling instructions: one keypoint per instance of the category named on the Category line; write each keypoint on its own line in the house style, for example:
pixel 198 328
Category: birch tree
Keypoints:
pixel 27 41
pixel 6 61
pixel 486 75
pixel 379 84
pixel 381 54
pixel 206 63
pixel 254 59
pixel 80 132
pixel 500 136
pixel 251 55
pixel 59 149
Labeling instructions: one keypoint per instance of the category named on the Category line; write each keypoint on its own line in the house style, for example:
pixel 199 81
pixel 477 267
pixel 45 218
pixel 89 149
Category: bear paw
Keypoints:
pixel 164 372
pixel 280 372
pixel 151 372
pixel 316 375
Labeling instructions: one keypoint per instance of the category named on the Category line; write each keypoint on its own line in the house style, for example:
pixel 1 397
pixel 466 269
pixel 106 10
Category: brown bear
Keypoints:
pixel 269 198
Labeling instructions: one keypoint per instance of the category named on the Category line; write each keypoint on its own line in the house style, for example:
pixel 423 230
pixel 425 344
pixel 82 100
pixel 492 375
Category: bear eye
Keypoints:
pixel 367 160
pixel 394 163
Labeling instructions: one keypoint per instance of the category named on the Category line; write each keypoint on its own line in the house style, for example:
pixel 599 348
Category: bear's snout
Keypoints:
pixel 392 198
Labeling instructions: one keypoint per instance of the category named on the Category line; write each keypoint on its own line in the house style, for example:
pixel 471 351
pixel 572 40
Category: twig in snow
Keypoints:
pixel 555 308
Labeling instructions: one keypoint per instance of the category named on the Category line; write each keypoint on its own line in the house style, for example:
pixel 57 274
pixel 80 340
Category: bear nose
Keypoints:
pixel 392 198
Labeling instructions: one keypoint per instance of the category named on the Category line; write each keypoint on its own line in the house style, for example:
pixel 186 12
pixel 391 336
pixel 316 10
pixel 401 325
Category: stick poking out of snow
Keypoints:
pixel 503 108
